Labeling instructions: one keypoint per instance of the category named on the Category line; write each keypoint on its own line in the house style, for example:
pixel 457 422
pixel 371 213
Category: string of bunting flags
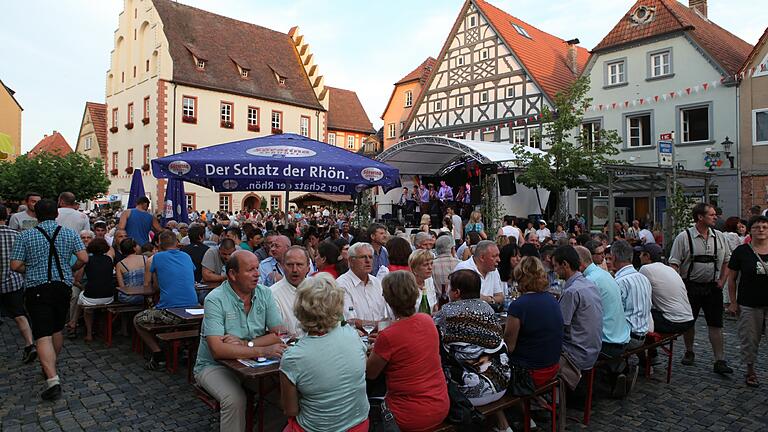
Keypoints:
pixel 687 91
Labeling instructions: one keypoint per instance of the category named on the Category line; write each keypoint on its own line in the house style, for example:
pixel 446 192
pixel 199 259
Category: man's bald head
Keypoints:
pixel 278 247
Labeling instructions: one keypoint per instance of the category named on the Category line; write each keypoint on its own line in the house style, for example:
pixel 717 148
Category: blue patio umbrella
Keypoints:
pixel 137 189
pixel 175 207
pixel 285 162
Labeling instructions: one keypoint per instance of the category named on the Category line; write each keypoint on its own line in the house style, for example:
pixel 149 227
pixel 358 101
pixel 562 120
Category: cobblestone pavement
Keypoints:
pixel 108 389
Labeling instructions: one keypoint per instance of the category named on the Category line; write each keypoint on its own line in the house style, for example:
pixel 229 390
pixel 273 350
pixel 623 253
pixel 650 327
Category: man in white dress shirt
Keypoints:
pixel 69 215
pixel 296 264
pixel 363 298
pixel 484 261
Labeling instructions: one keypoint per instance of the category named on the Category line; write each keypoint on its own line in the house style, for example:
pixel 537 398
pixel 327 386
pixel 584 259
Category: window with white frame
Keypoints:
pixel 534 138
pixel 438 105
pixel 510 92
pixel 661 64
pixel 639 130
pixel 188 147
pixel 274 202
pixel 226 112
pixel 145 158
pixel 760 127
pixel 617 73
pixel 225 202
pixel 332 138
pixel 590 132
pixel 472 21
pixel 130 113
pixel 460 60
pixel 304 126
pixel 408 98
pixel 189 200
pixel 253 117
pixel 114 117
pixel 277 120
pixel 694 122
pixel 200 64
pixel 188 107
pixel 88 142
pixel 460 101
pixel 518 136
pixel 350 141
pixel 484 97
pixel 484 54
pixel 391 132
pixel 130 158
pixel 146 108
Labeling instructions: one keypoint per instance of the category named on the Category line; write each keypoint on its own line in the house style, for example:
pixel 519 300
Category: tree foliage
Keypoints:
pixel 49 175
pixel 573 160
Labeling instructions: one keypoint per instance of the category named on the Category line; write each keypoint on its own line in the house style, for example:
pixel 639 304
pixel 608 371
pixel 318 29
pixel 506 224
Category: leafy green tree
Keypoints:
pixel 573 159
pixel 49 175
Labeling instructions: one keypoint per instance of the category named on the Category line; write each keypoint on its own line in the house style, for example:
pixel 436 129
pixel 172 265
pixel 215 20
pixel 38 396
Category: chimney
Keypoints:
pixel 573 63
pixel 698 5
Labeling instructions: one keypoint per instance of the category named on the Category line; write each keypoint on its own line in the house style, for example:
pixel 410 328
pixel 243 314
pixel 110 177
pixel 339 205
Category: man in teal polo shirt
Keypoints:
pixel 616 328
pixel 238 315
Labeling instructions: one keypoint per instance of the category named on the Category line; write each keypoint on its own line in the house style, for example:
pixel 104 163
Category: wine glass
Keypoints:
pixel 283 333
pixel 368 326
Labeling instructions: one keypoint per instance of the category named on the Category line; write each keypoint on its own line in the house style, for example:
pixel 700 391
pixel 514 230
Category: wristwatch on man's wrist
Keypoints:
pixel 250 344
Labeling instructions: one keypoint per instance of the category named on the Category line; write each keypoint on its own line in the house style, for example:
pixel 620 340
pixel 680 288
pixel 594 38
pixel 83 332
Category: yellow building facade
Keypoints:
pixel 10 122
pixel 174 88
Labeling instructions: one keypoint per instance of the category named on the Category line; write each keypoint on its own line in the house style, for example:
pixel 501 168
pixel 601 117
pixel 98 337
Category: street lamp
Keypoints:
pixel 727 148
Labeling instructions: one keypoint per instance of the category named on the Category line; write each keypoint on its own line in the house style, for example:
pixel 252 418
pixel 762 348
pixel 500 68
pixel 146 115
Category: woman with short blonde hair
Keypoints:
pixel 420 262
pixel 475 224
pixel 328 394
pixel 531 276
pixel 408 353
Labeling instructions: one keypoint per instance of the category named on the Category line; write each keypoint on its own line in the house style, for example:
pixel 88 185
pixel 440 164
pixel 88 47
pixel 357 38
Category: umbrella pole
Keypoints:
pixel 286 209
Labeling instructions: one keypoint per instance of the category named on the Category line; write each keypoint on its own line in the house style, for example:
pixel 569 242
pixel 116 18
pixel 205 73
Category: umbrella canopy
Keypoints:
pixel 286 162
pixel 137 189
pixel 175 202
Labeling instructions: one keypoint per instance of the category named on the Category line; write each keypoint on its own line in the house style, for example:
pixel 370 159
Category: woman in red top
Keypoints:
pixel 408 353
pixel 398 250
pixel 328 259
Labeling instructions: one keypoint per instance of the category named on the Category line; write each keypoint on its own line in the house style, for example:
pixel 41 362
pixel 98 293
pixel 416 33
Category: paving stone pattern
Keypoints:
pixel 107 389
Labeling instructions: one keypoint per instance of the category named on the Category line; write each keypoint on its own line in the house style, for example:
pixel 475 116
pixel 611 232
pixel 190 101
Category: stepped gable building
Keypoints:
pixel 182 78
pixel 348 124
pixel 92 139
pixel 400 102
pixel 493 77
pixel 54 144
pixel 753 127
pixel 666 67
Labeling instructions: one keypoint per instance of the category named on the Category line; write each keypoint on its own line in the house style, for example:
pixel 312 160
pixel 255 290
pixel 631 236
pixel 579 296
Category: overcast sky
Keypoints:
pixel 55 53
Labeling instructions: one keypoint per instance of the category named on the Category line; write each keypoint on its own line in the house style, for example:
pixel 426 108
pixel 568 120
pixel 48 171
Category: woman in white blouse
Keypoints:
pixel 420 263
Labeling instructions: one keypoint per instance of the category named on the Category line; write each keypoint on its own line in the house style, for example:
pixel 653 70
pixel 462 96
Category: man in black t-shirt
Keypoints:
pixel 749 262
pixel 196 249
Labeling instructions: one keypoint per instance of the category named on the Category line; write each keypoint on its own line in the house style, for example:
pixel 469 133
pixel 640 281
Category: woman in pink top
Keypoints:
pixel 408 353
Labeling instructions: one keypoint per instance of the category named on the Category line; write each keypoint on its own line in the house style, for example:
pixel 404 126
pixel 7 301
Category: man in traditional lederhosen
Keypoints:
pixel 700 254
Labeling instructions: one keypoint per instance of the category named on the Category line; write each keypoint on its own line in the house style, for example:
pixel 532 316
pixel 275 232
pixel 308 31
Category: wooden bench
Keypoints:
pixel 175 339
pixel 508 401
pixel 156 329
pixel 653 340
pixel 113 310
pixel 206 397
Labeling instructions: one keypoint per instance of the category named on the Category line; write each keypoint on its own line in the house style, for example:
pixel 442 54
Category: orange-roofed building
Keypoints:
pixel 53 144
pixel 668 67
pixel 400 103
pixel 493 78
pixel 92 139
pixel 348 124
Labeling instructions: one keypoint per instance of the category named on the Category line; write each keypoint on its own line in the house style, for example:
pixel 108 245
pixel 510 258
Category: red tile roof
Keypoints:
pixel 671 16
pixel 755 51
pixel 421 73
pixel 98 113
pixel 345 112
pixel 224 43
pixel 544 56
pixel 55 144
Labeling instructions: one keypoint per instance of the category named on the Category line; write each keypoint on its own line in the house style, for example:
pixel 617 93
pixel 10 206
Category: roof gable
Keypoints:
pixel 753 60
pixel 11 93
pixel 544 56
pixel 54 144
pixel 345 112
pixel 670 16
pixel 421 72
pixel 224 43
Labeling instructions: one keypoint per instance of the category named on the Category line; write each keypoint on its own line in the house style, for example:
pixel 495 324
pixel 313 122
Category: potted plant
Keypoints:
pixel 113 129
pixel 114 171
pixel 145 121
pixel 253 128
pixel 129 126
pixel 276 131
pixel 129 170
pixel 145 167
pixel 189 119
pixel 227 124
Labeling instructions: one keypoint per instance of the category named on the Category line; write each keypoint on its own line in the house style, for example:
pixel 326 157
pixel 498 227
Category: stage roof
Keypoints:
pixel 432 156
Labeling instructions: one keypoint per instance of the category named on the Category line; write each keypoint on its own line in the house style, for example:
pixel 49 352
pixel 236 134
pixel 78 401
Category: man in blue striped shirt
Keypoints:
pixel 635 293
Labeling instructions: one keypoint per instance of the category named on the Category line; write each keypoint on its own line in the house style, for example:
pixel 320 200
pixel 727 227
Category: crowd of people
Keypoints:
pixel 397 319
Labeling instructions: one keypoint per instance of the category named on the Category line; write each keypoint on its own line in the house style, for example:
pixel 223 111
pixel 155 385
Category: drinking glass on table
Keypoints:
pixel 369 326
pixel 283 333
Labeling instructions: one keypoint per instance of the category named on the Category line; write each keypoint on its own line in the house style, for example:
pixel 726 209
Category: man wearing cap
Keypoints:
pixel 671 310
pixel 543 231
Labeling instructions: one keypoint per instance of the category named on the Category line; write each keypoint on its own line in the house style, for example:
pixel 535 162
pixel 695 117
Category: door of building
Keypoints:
pixel 642 209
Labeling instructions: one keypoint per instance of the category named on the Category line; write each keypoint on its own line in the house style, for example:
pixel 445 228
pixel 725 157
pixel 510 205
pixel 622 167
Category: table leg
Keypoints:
pixel 108 337
pixel 249 410
pixel 262 398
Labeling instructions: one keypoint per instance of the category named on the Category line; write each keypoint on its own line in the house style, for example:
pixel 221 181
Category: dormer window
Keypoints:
pixel 200 63
pixel 244 73
pixel 521 30
pixel 281 81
